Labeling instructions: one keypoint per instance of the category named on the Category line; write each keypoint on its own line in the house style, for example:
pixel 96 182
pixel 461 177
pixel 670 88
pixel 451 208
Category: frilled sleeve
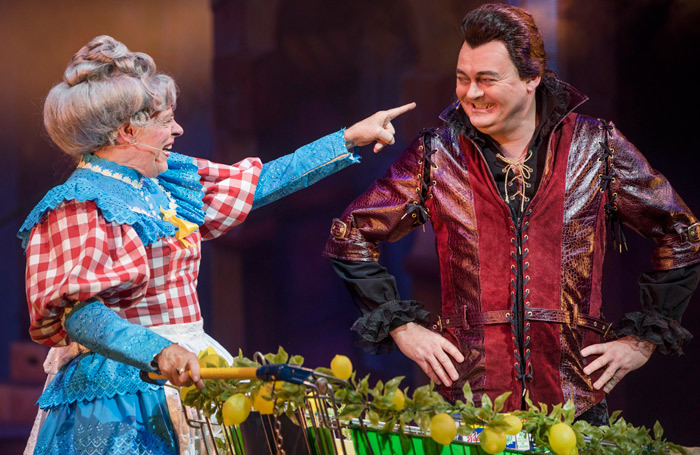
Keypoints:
pixel 665 296
pixel 74 255
pixel 228 194
pixel 374 292
pixel 378 215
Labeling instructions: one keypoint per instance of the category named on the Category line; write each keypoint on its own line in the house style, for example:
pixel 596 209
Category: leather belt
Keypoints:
pixel 572 318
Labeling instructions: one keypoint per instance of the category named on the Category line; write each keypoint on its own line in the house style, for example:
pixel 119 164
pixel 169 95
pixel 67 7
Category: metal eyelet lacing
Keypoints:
pixel 417 207
pixel 521 351
pixel 612 219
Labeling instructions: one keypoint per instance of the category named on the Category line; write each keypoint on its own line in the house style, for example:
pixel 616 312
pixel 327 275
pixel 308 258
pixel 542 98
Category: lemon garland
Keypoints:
pixel 389 408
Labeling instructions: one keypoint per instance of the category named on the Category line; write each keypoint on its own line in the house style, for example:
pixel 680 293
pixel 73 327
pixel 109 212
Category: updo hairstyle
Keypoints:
pixel 516 29
pixel 104 86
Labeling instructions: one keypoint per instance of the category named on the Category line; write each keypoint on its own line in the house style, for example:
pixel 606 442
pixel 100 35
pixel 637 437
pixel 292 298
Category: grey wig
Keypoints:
pixel 104 86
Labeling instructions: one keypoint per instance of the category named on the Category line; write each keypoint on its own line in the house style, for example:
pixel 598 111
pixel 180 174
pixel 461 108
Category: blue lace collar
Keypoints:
pixel 124 196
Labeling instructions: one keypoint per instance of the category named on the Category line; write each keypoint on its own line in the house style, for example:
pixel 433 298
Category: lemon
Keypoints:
pixel 341 367
pixel 236 409
pixel 562 438
pixel 515 425
pixel 261 404
pixel 399 400
pixel 492 442
pixel 443 429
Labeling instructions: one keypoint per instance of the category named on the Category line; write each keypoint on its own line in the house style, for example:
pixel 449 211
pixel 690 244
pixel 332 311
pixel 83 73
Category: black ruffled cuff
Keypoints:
pixel 374 327
pixel 666 333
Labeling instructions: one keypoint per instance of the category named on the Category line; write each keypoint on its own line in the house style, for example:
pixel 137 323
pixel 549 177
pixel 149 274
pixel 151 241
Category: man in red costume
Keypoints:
pixel 521 193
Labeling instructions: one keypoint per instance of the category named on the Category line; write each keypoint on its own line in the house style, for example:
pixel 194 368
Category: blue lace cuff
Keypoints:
pixel 303 168
pixel 103 331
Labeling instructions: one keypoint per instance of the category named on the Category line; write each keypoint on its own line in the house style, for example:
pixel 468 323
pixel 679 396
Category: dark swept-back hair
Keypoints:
pixel 515 28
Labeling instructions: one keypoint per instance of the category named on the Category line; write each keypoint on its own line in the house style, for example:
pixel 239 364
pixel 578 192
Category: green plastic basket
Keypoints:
pixel 372 442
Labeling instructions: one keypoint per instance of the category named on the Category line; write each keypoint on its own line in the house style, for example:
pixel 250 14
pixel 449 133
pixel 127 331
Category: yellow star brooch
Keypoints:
pixel 184 227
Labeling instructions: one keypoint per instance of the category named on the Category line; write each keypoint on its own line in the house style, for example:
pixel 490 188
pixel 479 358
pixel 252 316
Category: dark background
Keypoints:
pixel 260 78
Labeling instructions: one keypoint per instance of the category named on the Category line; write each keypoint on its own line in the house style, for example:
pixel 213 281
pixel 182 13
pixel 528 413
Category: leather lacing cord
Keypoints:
pixel 614 225
pixel 417 208
pixel 520 304
pixel 516 171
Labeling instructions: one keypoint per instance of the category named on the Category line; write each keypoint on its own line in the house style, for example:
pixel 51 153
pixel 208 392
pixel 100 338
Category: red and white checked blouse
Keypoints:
pixel 74 255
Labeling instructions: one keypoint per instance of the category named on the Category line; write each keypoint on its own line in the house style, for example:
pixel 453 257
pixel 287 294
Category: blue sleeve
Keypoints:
pixel 104 332
pixel 303 168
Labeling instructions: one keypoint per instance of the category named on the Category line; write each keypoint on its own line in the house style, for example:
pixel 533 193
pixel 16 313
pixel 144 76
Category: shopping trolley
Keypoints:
pixel 306 427
pixel 311 426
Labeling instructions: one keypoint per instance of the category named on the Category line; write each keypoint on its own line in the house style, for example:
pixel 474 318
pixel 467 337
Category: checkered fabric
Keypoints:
pixel 74 255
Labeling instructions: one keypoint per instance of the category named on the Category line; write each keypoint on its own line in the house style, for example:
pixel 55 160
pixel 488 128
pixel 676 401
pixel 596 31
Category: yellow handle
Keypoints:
pixel 220 373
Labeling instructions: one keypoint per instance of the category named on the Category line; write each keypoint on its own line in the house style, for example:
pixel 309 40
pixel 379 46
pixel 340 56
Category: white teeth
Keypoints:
pixel 483 106
pixel 168 147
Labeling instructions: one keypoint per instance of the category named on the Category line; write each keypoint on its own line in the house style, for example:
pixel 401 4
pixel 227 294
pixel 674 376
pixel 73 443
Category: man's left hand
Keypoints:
pixel 618 357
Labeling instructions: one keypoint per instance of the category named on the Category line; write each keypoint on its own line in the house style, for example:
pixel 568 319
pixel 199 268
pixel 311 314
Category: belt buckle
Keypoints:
pixel 694 232
pixel 607 330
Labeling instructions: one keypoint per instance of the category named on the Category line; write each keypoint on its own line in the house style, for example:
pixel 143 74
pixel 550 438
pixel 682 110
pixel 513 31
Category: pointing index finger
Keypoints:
pixel 395 112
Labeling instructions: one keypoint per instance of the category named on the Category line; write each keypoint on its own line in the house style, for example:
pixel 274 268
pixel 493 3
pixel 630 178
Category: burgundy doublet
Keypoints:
pixel 546 268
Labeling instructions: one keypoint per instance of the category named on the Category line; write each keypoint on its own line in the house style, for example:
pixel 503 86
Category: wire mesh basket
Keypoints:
pixel 310 428
pixel 313 429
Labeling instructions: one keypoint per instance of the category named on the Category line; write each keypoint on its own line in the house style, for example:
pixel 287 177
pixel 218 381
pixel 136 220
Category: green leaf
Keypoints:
pixel 420 394
pixel 467 391
pixel 324 370
pixel 378 389
pixel 394 383
pixel 500 401
pixel 464 430
pixel 373 418
pixel 486 403
pixel 364 385
pixel 388 426
pixel 244 362
pixel 296 360
pixel 350 411
pixel 568 412
pixel 614 416
pixel 658 430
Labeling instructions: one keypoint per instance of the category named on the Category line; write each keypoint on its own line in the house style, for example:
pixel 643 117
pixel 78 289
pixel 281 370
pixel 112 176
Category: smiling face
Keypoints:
pixel 494 97
pixel 154 142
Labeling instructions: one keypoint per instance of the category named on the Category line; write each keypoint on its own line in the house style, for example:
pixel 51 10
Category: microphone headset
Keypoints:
pixel 146 145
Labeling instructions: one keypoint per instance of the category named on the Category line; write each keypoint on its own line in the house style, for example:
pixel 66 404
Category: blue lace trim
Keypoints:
pixel 181 180
pixel 137 423
pixel 91 376
pixel 122 203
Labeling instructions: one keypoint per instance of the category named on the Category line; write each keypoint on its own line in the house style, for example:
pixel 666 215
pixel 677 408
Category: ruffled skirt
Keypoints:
pixel 128 417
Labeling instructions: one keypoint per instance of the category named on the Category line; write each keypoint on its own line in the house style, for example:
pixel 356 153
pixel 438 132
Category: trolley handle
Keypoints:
pixel 273 372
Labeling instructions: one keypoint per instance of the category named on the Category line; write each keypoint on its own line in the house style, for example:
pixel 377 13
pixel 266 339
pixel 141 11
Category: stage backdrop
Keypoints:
pixel 262 77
